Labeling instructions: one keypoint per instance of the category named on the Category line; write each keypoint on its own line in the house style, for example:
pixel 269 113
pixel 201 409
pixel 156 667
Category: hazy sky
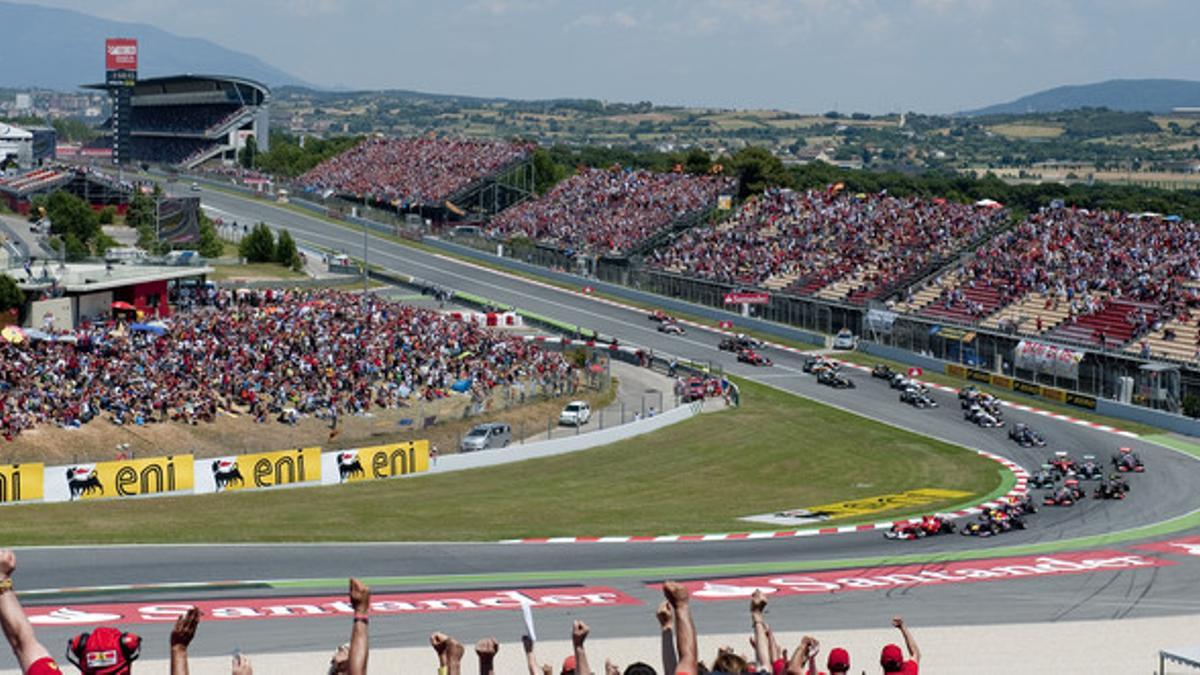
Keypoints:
pixel 802 55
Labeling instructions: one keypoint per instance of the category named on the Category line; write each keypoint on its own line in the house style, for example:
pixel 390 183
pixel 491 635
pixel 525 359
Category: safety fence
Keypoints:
pixel 186 474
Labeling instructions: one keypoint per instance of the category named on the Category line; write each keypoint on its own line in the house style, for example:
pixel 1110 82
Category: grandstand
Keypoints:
pixel 186 120
pixel 92 186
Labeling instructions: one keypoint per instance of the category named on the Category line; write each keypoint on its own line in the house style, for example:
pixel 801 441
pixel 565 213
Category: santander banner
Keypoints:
pixel 883 578
pixel 120 54
pixel 243 609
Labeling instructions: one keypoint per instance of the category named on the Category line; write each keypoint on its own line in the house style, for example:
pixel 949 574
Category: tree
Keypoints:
pixel 757 169
pixel 249 153
pixel 71 215
pixel 209 245
pixel 107 214
pixel 697 161
pixel 285 251
pixel 11 295
pixel 76 250
pixel 259 245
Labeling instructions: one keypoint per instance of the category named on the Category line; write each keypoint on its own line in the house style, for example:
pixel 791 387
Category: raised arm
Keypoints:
pixel 579 633
pixel 666 627
pixel 914 652
pixel 450 653
pixel 181 637
pixel 16 625
pixel 486 649
pixel 762 647
pixel 360 600
pixel 685 629
pixel 530 658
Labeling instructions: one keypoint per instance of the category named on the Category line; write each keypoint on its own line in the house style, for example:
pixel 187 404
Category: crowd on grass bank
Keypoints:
pixel 108 651
pixel 819 236
pixel 412 171
pixel 609 211
pixel 276 355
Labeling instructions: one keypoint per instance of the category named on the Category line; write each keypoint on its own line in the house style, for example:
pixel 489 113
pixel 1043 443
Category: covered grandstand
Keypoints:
pixel 185 120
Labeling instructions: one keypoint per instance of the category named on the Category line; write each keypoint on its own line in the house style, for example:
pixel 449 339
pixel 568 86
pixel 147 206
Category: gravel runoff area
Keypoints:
pixel 1084 647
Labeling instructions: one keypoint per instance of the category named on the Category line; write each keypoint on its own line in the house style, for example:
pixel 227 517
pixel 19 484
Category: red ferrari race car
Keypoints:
pixel 928 526
pixel 1126 460
pixel 1067 495
pixel 1062 464
pixel 660 316
pixel 753 358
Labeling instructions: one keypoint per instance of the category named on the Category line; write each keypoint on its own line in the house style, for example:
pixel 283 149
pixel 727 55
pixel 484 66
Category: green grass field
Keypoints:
pixel 777 451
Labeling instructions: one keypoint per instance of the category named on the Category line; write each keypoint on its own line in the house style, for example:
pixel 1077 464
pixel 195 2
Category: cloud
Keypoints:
pixel 311 7
pixel 503 7
pixel 617 19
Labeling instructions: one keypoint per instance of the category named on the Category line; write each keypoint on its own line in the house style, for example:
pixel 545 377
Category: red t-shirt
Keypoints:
pixel 44 666
pixel 909 668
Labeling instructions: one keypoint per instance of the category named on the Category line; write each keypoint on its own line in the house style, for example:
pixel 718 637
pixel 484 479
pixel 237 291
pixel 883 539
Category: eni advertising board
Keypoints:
pixel 122 478
pixel 374 463
pixel 21 482
pixel 258 470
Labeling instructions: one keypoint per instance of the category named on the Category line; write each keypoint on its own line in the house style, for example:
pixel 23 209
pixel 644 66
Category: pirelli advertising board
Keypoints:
pixel 121 478
pixel 21 482
pixel 374 463
pixel 258 470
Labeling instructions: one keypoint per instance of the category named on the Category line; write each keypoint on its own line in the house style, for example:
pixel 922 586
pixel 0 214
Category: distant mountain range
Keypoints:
pixel 61 49
pixel 1156 96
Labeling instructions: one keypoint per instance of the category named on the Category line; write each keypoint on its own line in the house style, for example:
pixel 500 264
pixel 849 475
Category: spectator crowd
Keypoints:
pixel 275 355
pixel 609 211
pixel 817 237
pixel 107 651
pixel 412 170
pixel 1086 259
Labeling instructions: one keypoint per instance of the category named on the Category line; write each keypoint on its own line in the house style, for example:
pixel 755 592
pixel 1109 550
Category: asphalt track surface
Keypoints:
pixel 1165 491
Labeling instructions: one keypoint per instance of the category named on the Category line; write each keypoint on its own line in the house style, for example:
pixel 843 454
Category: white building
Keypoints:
pixel 16 143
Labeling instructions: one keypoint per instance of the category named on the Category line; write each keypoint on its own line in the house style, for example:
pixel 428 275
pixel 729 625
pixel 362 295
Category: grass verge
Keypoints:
pixel 777 451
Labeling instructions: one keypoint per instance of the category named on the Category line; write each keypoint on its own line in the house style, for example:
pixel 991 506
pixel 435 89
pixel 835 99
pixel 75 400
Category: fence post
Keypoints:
pixel 622 412
pixel 602 420
pixel 549 428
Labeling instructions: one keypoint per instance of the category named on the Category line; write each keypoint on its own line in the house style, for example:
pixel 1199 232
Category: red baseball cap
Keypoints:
pixel 892 659
pixel 839 660
pixel 569 664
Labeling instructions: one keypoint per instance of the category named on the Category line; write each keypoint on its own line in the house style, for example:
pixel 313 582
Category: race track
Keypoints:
pixel 1165 491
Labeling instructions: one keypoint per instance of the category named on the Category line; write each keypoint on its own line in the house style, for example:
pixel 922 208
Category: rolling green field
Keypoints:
pixel 777 451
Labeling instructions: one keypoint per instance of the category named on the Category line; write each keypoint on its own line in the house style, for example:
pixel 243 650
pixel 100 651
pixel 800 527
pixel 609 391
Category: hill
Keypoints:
pixel 61 49
pixel 1157 96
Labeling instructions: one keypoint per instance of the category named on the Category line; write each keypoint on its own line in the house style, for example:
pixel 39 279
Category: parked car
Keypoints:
pixel 486 436
pixel 575 414
pixel 845 340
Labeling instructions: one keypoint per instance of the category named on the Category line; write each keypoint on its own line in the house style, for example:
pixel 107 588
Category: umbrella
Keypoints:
pixel 122 306
pixel 13 334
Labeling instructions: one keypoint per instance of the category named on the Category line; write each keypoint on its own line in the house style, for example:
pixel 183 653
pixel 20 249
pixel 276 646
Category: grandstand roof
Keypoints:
pixel 11 133
pixel 192 83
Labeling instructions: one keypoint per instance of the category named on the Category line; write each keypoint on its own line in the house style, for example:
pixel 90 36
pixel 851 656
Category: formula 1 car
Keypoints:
pixel 831 377
pixel 1126 460
pixel 989 403
pixel 968 393
pixel 917 397
pixel 1026 437
pixel 753 358
pixel 670 327
pixel 1021 505
pixel 814 363
pixel 1067 495
pixel 992 523
pixel 738 343
pixel 1116 487
pixel 977 415
pixel 1089 469
pixel 1044 478
pixel 928 526
pixel 883 371
pixel 660 316
pixel 1062 464
pixel 899 381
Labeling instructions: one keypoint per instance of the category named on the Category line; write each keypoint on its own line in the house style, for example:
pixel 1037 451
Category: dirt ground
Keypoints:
pixel 102 440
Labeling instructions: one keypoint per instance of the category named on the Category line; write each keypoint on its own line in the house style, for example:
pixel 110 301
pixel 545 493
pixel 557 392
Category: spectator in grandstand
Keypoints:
pixel 609 211
pixel 413 171
pixel 818 237
pixel 270 354
pixel 892 658
pixel 32 656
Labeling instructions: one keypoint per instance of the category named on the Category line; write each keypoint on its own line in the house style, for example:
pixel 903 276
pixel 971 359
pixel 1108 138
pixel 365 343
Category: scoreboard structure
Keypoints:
pixel 120 66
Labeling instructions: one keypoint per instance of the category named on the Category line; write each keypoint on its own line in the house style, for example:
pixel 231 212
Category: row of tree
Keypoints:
pixel 261 246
